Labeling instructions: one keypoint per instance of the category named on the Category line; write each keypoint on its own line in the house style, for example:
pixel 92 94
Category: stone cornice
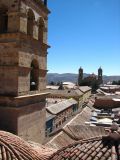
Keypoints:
pixel 40 4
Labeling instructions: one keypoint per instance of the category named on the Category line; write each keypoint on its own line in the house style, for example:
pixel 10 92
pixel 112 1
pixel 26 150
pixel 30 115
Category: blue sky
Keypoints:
pixel 84 33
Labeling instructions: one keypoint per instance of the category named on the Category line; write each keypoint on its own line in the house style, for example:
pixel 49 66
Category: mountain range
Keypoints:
pixel 72 77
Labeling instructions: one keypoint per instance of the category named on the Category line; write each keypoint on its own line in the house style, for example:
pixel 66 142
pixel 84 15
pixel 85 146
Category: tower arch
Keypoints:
pixel 3 19
pixel 30 22
pixel 34 75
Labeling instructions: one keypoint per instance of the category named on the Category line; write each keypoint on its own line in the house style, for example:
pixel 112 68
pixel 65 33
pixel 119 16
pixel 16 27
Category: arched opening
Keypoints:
pixel 41 30
pixel 30 22
pixel 34 76
pixel 3 20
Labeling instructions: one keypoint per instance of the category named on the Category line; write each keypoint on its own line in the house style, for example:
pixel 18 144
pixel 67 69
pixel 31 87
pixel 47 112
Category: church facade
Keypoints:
pixel 90 78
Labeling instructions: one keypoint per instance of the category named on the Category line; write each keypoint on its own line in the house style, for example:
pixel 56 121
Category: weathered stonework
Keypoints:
pixel 23 67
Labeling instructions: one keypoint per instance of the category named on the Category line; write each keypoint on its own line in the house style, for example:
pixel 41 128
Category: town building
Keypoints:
pixel 107 102
pixel 66 94
pixel 23 67
pixel 110 89
pixel 50 123
pixel 57 114
pixel 86 92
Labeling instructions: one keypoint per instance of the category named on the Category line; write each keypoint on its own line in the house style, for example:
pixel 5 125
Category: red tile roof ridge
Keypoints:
pixel 77 142
pixel 104 140
pixel 42 149
pixel 15 147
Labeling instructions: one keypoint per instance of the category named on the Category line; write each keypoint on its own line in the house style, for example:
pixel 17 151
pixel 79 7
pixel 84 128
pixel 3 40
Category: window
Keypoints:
pixel 30 22
pixel 3 21
pixel 34 76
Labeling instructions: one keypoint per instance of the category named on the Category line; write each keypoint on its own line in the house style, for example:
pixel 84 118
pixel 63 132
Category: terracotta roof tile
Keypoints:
pixel 99 148
pixel 14 148
pixel 72 134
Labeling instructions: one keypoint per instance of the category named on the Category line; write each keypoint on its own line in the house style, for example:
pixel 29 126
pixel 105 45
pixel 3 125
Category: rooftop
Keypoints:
pixel 66 92
pixel 51 101
pixel 82 117
pixel 71 134
pixel 14 148
pixel 84 88
pixel 61 106
pixel 98 148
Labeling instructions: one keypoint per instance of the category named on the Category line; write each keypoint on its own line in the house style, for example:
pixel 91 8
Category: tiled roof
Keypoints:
pixel 72 134
pixel 52 87
pixel 61 106
pixel 99 148
pixel 82 117
pixel 66 93
pixel 44 151
pixel 60 140
pixel 106 103
pixel 78 132
pixel 111 96
pixel 14 148
pixel 90 104
pixel 84 88
pixel 68 83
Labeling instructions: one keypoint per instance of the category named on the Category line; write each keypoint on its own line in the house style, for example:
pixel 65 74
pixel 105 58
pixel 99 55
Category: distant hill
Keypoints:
pixel 55 77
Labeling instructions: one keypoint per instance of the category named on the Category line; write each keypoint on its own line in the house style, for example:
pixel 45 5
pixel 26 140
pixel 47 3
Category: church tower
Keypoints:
pixel 80 76
pixel 100 74
pixel 23 67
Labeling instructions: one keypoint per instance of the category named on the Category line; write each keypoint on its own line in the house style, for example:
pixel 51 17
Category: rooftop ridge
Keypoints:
pixel 106 143
pixel 13 147
pixel 75 143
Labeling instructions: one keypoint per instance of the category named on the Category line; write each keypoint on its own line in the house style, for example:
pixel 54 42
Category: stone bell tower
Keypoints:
pixel 80 76
pixel 23 67
pixel 100 75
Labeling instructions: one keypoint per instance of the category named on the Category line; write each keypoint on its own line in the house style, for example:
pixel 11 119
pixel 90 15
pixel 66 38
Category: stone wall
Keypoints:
pixel 31 126
pixel 27 122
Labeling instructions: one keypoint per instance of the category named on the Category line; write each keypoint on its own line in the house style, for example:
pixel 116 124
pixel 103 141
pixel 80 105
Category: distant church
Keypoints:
pixel 91 77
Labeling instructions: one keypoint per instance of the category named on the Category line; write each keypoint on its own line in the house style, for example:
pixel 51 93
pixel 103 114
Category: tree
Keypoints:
pixel 95 85
pixel 116 82
pixel 61 86
pixel 52 83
